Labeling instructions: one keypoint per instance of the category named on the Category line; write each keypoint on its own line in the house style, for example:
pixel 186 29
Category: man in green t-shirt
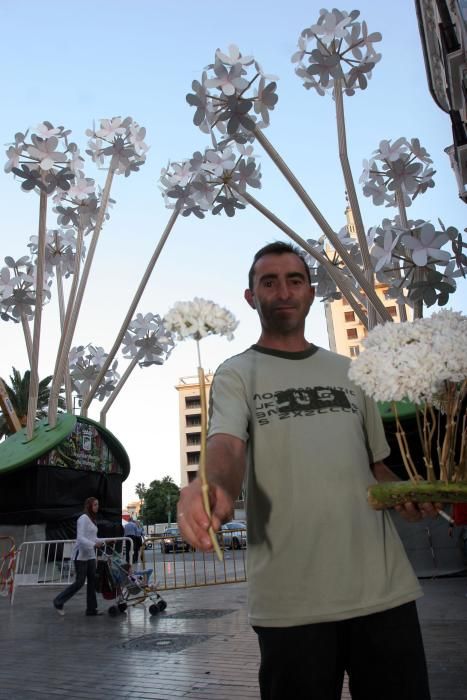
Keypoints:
pixel 330 587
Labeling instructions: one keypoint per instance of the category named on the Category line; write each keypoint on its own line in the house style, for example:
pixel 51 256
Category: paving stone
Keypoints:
pixel 120 657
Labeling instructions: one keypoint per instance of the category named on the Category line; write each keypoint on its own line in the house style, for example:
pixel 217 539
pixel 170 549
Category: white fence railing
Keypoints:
pixel 170 564
pixel 49 562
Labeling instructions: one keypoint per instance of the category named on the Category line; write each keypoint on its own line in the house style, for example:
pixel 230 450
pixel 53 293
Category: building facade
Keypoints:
pixel 443 32
pixel 189 409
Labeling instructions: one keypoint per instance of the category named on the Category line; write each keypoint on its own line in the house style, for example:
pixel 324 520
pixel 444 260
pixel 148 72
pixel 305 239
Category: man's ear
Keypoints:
pixel 249 296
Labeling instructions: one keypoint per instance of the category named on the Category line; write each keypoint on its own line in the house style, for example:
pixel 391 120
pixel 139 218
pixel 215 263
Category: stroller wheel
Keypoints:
pixel 113 610
pixel 161 605
pixel 122 607
pixel 153 609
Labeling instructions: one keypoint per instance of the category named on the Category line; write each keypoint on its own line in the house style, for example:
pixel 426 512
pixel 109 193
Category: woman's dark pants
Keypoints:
pixel 84 570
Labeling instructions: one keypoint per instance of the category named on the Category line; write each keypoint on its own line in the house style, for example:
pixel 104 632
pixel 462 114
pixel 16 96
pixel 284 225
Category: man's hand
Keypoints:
pixel 413 512
pixel 192 518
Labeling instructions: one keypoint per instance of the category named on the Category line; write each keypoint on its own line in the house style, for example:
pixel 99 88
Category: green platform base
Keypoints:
pixel 405 409
pixel 17 450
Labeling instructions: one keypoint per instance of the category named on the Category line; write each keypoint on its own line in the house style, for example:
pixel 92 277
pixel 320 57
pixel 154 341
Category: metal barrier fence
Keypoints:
pixel 169 562
pixel 48 562
pixel 176 565
pixel 7 565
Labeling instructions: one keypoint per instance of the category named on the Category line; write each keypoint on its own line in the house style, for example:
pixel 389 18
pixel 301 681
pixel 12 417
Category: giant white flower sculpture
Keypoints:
pixel 213 181
pixel 232 93
pixel 336 47
pixel 119 140
pixel 85 363
pixel 197 319
pixel 147 340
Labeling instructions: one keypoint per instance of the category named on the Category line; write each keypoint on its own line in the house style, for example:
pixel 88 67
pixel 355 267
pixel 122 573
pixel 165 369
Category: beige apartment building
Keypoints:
pixel 345 330
pixel 189 409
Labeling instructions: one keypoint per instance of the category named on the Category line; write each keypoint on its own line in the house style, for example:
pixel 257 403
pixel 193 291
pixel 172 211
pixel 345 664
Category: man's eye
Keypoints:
pixel 268 283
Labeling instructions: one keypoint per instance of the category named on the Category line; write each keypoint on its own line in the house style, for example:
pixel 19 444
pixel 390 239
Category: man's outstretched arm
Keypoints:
pixel 225 467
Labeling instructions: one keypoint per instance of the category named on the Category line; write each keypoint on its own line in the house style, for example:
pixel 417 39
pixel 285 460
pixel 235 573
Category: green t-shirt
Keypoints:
pixel 316 550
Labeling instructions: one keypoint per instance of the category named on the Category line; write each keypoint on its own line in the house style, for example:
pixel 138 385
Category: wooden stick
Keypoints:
pixel 352 195
pixel 27 337
pixel 360 278
pixel 61 307
pixel 40 267
pixel 118 388
pixel 62 358
pixel 332 270
pixel 202 457
pixel 55 390
pixel 130 312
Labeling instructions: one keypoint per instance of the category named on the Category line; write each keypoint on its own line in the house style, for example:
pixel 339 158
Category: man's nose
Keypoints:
pixel 283 291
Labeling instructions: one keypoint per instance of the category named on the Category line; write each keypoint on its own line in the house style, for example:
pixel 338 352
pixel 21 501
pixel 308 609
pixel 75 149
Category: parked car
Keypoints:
pixel 172 541
pixel 233 535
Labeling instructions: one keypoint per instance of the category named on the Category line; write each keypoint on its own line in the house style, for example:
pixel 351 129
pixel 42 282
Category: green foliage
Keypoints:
pixel 18 392
pixel 160 499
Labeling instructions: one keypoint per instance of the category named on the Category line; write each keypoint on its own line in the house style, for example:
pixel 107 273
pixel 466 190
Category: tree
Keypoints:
pixel 18 394
pixel 159 501
pixel 141 490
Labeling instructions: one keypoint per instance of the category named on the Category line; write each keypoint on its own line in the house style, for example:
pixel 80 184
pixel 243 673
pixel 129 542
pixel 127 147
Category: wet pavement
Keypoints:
pixel 201 647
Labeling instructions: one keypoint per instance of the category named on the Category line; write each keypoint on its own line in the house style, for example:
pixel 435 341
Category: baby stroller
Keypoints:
pixel 116 581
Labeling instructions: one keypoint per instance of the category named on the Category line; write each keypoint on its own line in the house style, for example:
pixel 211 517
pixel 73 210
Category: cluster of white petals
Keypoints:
pixel 85 363
pixel 121 140
pixel 414 360
pixel 199 318
pixel 148 340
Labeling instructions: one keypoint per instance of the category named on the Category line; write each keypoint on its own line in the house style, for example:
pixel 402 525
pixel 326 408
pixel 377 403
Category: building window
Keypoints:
pixel 192 402
pixel 192 458
pixel 354 350
pixel 193 421
pixel 349 316
pixel 193 439
pixel 352 333
pixel 191 476
pixel 392 310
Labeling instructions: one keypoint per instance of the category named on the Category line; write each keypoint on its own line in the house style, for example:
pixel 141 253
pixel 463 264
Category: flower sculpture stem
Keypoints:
pixel 352 195
pixel 202 455
pixel 61 306
pixel 359 276
pixel 54 392
pixel 27 336
pixel 130 312
pixel 117 389
pixel 34 384
pixel 62 357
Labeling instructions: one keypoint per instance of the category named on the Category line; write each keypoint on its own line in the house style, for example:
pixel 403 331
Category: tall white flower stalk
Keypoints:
pixel 47 163
pixel 197 319
pixel 424 362
pixel 118 145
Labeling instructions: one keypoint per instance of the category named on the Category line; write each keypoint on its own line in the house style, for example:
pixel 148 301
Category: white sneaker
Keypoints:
pixel 60 610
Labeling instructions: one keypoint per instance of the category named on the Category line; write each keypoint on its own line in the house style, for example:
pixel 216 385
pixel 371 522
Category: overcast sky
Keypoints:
pixel 77 62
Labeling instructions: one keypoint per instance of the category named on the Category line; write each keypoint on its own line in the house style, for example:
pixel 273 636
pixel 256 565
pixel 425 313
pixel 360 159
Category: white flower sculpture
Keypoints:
pixel 148 340
pixel 399 253
pixel 84 365
pixel 198 318
pixel 342 49
pixel 60 251
pixel 45 163
pixel 424 362
pixel 18 289
pixel 212 181
pixel 120 139
pixel 403 166
pixel 232 92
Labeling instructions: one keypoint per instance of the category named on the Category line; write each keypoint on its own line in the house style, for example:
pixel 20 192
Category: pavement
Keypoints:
pixel 200 648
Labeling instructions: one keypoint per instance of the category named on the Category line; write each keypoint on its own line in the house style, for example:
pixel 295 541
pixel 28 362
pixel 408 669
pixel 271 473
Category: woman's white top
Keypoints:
pixel 86 539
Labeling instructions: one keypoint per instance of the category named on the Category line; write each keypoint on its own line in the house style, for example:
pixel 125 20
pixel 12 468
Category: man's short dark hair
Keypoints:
pixel 277 248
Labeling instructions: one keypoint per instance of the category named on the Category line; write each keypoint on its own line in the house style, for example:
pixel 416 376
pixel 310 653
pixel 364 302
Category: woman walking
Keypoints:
pixel 84 558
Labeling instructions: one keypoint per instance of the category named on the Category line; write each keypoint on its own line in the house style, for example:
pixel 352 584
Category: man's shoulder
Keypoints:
pixel 236 361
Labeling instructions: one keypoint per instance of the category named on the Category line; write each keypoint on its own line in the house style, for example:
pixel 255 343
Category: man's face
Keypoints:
pixel 281 293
